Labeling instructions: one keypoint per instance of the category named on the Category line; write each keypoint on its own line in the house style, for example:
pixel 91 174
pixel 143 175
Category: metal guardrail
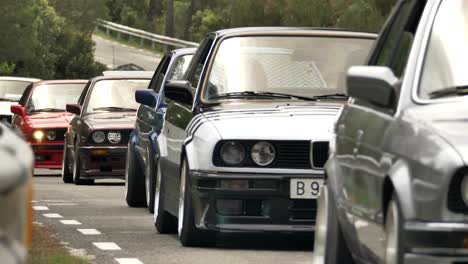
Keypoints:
pixel 142 35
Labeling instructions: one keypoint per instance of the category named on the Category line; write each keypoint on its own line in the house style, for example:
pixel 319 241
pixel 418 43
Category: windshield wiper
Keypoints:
pixel 48 110
pixel 332 96
pixel 114 109
pixel 451 91
pixel 261 94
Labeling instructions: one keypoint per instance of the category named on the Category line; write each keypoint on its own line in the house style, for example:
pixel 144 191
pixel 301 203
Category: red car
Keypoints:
pixel 42 119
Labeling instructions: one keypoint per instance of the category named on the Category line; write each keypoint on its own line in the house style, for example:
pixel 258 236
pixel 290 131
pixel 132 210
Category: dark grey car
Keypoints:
pixel 397 177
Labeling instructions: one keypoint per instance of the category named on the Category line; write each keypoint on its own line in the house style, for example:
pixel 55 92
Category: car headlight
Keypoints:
pixel 99 137
pixel 232 153
pixel 38 135
pixel 263 153
pixel 464 189
pixel 51 135
pixel 114 137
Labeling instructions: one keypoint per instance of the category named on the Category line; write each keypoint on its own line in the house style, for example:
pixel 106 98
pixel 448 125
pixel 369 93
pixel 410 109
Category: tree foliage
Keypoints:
pixel 48 39
pixel 195 18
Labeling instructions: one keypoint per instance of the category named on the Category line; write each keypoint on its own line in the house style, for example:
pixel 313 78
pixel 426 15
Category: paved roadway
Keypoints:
pixel 114 54
pixel 102 207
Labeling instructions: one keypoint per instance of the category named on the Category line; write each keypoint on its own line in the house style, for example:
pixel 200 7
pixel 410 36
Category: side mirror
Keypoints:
pixel 18 109
pixel 374 84
pixel 179 91
pixel 146 97
pixel 74 108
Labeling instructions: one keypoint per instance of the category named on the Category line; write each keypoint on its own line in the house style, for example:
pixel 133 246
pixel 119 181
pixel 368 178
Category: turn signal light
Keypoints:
pixel 100 152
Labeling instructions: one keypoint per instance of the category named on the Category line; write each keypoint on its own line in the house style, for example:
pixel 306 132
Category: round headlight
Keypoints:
pixel 114 137
pixel 232 153
pixel 263 153
pixel 464 189
pixel 99 137
pixel 51 135
pixel 38 135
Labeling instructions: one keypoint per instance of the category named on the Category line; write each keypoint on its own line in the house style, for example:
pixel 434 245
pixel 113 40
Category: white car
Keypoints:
pixel 11 90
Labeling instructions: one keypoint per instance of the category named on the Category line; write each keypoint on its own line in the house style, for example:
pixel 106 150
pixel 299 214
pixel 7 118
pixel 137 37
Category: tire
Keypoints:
pixel 189 234
pixel 393 233
pixel 77 170
pixel 134 185
pixel 329 245
pixel 150 181
pixel 67 175
pixel 163 221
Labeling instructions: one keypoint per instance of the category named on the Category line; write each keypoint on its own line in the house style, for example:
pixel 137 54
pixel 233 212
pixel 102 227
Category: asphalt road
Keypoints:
pixel 114 54
pixel 102 207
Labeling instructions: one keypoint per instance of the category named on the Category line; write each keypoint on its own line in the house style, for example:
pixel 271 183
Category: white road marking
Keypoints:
pixel 52 215
pixel 106 245
pixel 41 208
pixel 89 231
pixel 128 261
pixel 70 222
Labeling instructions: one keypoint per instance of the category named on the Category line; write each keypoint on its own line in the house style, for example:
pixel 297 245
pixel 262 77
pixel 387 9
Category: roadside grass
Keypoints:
pixel 47 249
pixel 159 49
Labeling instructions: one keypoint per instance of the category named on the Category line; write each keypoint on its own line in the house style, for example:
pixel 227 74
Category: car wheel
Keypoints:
pixel 163 221
pixel 189 234
pixel 77 170
pixel 67 175
pixel 393 249
pixel 134 183
pixel 150 181
pixel 329 245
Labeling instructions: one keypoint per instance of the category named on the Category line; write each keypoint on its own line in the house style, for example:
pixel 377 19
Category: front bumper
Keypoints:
pixel 103 162
pixel 48 155
pixel 442 243
pixel 265 206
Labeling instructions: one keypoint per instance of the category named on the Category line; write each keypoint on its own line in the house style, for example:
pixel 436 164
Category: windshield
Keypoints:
pixel 300 66
pixel 115 95
pixel 12 90
pixel 54 97
pixel 446 59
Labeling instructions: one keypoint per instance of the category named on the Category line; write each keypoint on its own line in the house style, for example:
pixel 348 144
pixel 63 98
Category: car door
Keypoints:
pixel 364 186
pixel 177 118
pixel 147 116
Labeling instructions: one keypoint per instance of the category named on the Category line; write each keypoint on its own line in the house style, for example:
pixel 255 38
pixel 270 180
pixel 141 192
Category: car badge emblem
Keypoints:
pixel 114 138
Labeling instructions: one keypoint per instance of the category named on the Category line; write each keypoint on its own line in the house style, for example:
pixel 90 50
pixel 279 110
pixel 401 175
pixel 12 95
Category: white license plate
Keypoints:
pixel 305 188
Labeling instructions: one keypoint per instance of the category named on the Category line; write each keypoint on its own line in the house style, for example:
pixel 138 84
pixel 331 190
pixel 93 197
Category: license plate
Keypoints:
pixel 305 188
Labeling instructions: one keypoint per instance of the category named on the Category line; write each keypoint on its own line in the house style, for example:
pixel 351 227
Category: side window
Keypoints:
pixel 396 41
pixel 158 77
pixel 199 61
pixel 180 67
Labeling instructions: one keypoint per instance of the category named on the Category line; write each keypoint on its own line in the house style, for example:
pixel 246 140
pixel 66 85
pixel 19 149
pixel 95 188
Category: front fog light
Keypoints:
pixel 232 153
pixel 263 153
pixel 464 189
pixel 38 135
pixel 234 184
pixel 51 135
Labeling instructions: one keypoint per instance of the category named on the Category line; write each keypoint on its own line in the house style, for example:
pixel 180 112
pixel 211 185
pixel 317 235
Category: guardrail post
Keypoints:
pixel 142 42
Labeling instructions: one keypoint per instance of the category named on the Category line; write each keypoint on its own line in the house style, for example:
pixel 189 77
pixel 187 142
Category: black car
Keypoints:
pixel 397 177
pixel 234 150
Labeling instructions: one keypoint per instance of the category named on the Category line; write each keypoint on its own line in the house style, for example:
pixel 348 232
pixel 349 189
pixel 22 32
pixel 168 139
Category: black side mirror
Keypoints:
pixel 374 84
pixel 73 108
pixel 146 97
pixel 179 91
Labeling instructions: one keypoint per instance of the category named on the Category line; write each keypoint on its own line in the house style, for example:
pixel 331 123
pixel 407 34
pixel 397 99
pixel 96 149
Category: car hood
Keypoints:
pixel 123 120
pixel 5 108
pixel 44 120
pixel 449 120
pixel 275 121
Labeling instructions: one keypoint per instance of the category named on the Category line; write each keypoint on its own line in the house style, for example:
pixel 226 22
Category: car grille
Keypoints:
pixel 319 153
pixel 290 155
pixel 454 200
pixel 5 119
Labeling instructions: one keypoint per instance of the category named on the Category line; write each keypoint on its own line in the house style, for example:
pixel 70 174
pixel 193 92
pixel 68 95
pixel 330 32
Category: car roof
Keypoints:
pixel 109 75
pixel 61 82
pixel 21 79
pixel 328 32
